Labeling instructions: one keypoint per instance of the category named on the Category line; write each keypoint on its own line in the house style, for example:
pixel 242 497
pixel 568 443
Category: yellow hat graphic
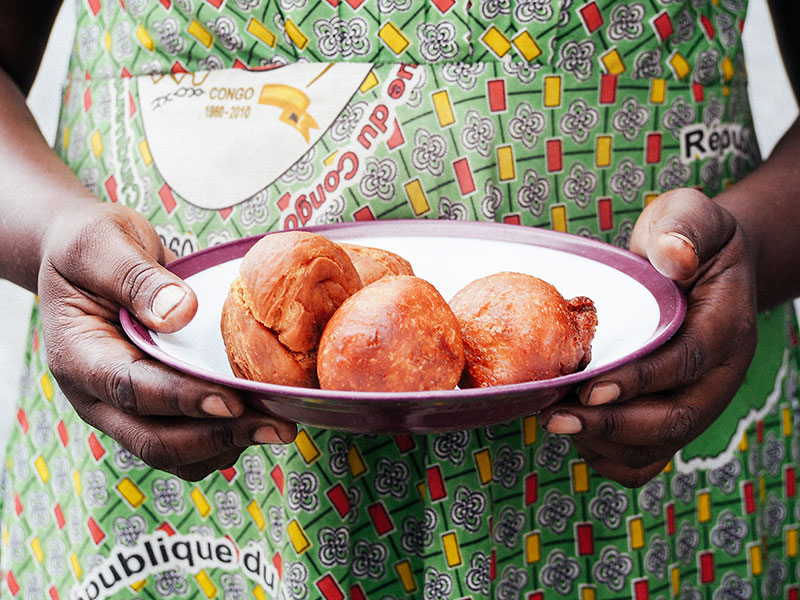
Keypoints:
pixel 294 104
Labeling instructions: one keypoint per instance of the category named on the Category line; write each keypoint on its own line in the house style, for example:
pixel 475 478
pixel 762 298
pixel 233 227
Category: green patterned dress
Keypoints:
pixel 224 118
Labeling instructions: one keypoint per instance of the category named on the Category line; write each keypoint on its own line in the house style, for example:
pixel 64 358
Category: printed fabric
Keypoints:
pixel 219 119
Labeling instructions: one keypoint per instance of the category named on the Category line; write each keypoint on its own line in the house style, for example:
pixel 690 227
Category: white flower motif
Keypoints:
pixel 42 427
pixel 171 583
pixel 478 133
pixel 292 4
pixel 706 66
pixel 95 489
pixel 56 558
pixel 526 125
pixel 301 491
pixel 345 38
pixel 295 578
pixel 429 152
pixel 169 35
pixel 463 74
pixel 479 575
pixel 679 115
pixel 626 22
pixel 508 526
pixel 248 5
pixel 210 63
pixel 393 6
pixel 492 200
pixel 369 559
pixel 579 120
pixel 38 509
pixel 88 42
pixel 418 533
pixel 627 180
pixel 512 583
pixel 576 58
pixel 437 585
pixel 229 508
pixel 254 473
pixel 122 41
pixel 491 9
pixel 451 210
pixel 526 11
pixel 674 175
pixel 303 169
pixel 234 586
pixel 630 118
pixel 255 210
pixel 609 505
pixel 523 71
pixel 555 512
pixel 168 495
pixel 345 124
pixel 334 546
pixel 560 572
pixel 378 179
pixel 391 478
pixel 613 568
pixel 533 192
pixel 276 521
pixel 468 508
pixel 580 185
pixel 437 41
pixel 226 32
pixel 128 530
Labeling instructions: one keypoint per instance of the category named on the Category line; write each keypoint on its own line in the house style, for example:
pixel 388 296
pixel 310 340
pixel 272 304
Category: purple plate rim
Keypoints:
pixel 671 303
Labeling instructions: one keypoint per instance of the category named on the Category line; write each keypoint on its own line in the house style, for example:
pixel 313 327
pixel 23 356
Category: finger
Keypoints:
pixel 120 258
pixel 120 374
pixel 680 231
pixel 671 421
pixel 168 443
pixel 633 457
pixel 630 477
pixel 708 337
pixel 200 470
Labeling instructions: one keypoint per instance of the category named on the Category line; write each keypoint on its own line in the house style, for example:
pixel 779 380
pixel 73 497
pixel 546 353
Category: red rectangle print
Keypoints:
pixel 555 160
pixel 496 91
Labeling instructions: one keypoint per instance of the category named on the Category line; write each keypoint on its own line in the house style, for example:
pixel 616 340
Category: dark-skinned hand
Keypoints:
pixel 628 423
pixel 96 260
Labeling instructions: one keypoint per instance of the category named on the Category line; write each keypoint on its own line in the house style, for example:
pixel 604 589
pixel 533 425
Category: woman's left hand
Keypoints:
pixel 628 423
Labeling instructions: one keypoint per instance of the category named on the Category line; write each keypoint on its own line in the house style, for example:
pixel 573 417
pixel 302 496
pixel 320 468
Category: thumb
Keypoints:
pixel 117 257
pixel 680 231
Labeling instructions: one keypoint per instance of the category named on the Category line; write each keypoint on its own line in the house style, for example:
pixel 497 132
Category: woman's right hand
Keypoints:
pixel 94 261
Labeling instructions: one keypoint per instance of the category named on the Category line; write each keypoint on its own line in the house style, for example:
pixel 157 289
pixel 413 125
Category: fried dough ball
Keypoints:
pixel 518 328
pixel 374 263
pixel 395 335
pixel 288 287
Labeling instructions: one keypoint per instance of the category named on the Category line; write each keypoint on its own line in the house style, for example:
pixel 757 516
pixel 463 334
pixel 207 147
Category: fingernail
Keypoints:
pixel 215 407
pixel 265 435
pixel 682 238
pixel 603 393
pixel 166 299
pixel 563 423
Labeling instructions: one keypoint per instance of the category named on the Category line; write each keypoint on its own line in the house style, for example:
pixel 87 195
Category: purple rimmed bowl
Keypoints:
pixel 638 310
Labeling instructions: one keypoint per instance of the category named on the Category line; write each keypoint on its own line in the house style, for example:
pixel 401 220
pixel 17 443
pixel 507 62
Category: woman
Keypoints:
pixel 531 112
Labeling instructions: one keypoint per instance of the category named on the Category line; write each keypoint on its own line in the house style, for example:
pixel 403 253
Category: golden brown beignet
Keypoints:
pixel 293 283
pixel 395 335
pixel 375 263
pixel 518 328
pixel 290 284
pixel 255 353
